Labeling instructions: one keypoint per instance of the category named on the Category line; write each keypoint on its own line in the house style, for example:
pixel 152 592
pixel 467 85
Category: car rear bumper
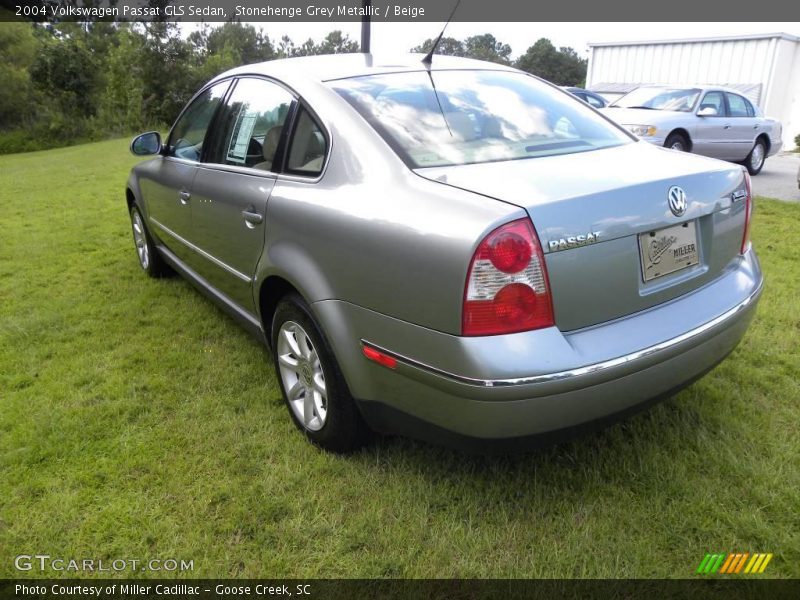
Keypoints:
pixel 776 145
pixel 506 388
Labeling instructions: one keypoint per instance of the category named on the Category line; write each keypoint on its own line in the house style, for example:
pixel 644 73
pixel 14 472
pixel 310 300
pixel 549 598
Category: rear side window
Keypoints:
pixel 594 101
pixel 739 106
pixel 252 124
pixel 189 133
pixel 308 146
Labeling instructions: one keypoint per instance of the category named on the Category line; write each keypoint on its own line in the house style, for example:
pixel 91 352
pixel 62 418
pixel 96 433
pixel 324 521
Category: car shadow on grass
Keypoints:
pixel 666 440
pixel 671 433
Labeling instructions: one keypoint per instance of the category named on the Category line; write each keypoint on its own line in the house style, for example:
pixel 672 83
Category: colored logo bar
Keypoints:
pixel 734 563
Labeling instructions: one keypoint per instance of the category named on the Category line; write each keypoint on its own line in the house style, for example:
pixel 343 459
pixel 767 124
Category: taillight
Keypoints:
pixel 507 289
pixel 748 212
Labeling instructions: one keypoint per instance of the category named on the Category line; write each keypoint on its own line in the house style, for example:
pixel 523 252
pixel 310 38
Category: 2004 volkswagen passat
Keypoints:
pixel 459 252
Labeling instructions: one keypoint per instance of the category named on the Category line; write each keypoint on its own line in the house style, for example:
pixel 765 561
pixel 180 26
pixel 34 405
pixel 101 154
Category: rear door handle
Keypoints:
pixel 727 126
pixel 184 197
pixel 755 126
pixel 252 217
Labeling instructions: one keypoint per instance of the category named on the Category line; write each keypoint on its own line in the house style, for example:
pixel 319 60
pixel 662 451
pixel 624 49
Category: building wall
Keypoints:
pixel 764 68
pixel 783 99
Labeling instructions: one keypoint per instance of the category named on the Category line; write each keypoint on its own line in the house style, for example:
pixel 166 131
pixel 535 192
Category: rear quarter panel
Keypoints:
pixel 373 233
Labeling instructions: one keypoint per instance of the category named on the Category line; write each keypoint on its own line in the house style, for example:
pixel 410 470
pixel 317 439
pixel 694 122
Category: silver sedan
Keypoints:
pixel 458 252
pixel 711 121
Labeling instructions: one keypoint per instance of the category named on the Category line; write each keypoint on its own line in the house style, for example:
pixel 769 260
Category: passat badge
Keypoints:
pixel 573 241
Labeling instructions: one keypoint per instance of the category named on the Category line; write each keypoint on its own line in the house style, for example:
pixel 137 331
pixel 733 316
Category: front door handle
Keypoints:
pixel 727 126
pixel 253 218
pixel 184 197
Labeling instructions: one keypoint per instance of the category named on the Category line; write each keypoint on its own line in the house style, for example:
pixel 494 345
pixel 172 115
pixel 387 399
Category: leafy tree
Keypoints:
pixel 486 47
pixel 307 48
pixel 337 43
pixel 285 47
pixel 562 66
pixel 66 70
pixel 244 41
pixel 120 108
pixel 169 71
pixel 334 43
pixel 480 47
pixel 63 82
pixel 447 46
pixel 18 47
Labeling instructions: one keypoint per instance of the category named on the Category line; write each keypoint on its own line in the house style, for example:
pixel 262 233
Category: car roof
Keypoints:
pixel 704 88
pixel 329 67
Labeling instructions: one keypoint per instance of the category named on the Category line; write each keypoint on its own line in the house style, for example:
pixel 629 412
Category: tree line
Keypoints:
pixel 75 82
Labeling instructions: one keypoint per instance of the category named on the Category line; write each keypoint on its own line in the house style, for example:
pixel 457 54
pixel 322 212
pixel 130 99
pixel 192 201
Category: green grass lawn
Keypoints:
pixel 138 421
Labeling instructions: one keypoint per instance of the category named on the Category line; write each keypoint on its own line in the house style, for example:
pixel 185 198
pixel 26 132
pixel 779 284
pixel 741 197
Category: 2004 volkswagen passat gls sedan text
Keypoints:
pixel 459 251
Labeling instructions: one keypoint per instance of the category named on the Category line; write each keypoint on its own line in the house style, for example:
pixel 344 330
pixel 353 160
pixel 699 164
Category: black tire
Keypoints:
pixel 758 155
pixel 342 428
pixel 677 141
pixel 146 252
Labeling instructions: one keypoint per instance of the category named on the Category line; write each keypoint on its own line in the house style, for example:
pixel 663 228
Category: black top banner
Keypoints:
pixel 398 11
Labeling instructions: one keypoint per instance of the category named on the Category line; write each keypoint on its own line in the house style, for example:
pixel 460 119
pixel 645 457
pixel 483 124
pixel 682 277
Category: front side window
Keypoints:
pixel 445 118
pixel 189 133
pixel 714 100
pixel 738 106
pixel 659 98
pixel 252 124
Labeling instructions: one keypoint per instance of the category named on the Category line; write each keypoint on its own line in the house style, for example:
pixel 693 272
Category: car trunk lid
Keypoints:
pixel 603 219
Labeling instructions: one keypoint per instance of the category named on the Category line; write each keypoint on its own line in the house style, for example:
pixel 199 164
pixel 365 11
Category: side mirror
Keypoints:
pixel 146 144
pixel 708 111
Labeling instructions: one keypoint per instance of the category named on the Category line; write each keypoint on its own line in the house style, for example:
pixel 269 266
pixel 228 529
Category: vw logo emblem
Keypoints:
pixel 677 200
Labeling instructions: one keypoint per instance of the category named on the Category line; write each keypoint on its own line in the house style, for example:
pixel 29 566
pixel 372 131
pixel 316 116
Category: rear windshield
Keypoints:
pixel 444 118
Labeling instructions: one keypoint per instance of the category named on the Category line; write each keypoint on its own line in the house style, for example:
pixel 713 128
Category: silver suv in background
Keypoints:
pixel 459 252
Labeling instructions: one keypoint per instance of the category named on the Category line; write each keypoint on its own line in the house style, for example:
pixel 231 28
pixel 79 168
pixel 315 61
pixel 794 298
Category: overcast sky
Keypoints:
pixel 393 38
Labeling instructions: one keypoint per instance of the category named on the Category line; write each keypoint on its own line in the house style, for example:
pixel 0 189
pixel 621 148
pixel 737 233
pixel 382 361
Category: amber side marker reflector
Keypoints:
pixel 379 357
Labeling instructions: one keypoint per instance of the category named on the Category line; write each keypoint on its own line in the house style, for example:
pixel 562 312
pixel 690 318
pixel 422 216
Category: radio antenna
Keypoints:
pixel 366 26
pixel 429 56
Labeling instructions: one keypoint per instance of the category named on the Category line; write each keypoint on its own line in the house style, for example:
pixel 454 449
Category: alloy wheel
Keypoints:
pixel 142 249
pixel 757 157
pixel 302 376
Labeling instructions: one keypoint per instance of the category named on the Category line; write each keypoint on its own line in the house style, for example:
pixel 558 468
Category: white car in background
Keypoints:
pixel 712 121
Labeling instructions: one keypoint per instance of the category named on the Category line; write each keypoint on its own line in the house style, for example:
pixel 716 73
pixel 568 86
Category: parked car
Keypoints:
pixel 590 98
pixel 462 252
pixel 712 121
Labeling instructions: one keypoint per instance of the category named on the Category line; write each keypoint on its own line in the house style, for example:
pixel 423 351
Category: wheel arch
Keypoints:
pixel 286 267
pixel 767 142
pixel 272 289
pixel 132 192
pixel 685 133
pixel 129 198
